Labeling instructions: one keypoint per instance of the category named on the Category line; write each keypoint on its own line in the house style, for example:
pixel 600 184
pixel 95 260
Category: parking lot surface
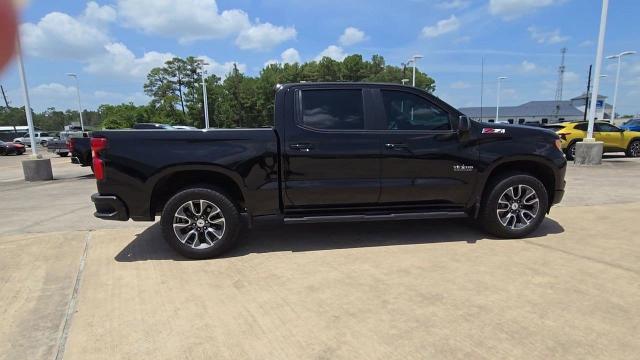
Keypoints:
pixel 74 287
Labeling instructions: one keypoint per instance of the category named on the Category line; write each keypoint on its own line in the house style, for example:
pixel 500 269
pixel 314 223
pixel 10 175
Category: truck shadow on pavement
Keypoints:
pixel 149 245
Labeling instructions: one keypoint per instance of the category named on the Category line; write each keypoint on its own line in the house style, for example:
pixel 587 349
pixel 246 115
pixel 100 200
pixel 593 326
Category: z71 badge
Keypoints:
pixel 493 131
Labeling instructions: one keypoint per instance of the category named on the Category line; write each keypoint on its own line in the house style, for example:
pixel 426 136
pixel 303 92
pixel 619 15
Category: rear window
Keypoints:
pixel 333 109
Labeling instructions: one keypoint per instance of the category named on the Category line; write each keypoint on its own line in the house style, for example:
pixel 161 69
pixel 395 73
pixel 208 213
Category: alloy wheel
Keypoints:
pixel 634 150
pixel 199 224
pixel 518 206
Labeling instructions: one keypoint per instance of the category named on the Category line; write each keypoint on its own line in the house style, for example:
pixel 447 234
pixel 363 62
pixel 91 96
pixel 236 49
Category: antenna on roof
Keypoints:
pixel 4 96
pixel 561 70
pixel 481 87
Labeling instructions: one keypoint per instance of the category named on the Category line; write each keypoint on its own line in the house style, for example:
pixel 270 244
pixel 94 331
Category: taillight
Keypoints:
pixel 70 144
pixel 97 145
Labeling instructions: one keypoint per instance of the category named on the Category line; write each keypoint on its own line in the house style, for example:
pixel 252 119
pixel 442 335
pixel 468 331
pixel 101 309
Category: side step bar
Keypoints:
pixel 385 217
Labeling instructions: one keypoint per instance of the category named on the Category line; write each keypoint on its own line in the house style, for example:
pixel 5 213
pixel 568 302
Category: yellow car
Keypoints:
pixel 614 138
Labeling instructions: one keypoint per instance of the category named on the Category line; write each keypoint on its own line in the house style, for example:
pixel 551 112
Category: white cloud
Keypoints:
pixel 528 66
pixel 352 36
pixel 332 51
pixel 586 43
pixel 441 27
pixel 53 90
pixel 460 85
pixel 190 20
pixel 546 37
pixel 453 4
pixel 511 9
pixel 122 62
pixel 59 35
pixel 571 77
pixel 264 36
pixel 95 13
pixel 290 56
pixel 221 69
pixel 186 20
pixel 61 97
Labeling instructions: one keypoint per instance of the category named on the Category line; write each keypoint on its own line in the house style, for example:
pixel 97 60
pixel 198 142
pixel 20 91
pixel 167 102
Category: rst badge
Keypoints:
pixel 463 168
pixel 493 131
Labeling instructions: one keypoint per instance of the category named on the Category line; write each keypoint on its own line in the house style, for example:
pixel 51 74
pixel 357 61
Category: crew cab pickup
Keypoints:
pixel 338 152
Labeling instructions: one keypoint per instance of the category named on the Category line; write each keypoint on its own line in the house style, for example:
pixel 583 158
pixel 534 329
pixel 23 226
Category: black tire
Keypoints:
pixel 63 154
pixel 230 230
pixel 571 151
pixel 634 149
pixel 496 189
pixel 3 152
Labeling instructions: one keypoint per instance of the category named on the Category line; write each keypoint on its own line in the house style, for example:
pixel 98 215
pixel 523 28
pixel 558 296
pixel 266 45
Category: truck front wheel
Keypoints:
pixel 200 223
pixel 515 206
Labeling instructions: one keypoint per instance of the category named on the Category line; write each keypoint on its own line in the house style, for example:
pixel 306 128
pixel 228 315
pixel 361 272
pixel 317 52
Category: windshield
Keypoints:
pixel 633 122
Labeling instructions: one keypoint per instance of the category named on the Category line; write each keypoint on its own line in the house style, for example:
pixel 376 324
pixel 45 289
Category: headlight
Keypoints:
pixel 559 144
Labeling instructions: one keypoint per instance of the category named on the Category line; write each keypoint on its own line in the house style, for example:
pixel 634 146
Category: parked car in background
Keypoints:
pixel 41 138
pixel 614 138
pixel 631 125
pixel 7 148
pixel 184 127
pixel 152 126
pixel 80 149
pixel 60 144
pixel 339 152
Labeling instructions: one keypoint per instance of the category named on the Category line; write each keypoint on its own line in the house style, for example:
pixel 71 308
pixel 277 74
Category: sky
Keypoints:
pixel 112 44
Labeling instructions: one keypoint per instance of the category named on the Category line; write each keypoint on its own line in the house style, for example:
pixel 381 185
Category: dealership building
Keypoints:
pixel 544 112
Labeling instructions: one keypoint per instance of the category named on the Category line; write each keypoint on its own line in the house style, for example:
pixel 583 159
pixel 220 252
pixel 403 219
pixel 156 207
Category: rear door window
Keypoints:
pixel 333 109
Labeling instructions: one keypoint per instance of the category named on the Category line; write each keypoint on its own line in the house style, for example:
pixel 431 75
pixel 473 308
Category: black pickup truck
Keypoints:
pixel 338 152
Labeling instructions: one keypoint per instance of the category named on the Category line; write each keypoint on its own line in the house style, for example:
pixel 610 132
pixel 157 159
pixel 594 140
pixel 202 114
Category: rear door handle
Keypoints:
pixel 301 147
pixel 396 146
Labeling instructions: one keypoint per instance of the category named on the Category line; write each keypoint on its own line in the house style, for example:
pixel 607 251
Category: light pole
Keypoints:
pixel 498 100
pixel 27 102
pixel 204 94
pixel 414 60
pixel 75 76
pixel 596 78
pixel 615 91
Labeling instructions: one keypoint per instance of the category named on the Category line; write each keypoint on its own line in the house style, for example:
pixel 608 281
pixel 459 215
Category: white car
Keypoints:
pixel 42 138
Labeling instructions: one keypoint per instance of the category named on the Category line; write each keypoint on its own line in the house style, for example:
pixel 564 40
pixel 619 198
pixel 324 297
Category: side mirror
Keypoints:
pixel 464 124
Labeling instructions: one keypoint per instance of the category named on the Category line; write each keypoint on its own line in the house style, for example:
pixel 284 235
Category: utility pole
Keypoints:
pixel 75 76
pixel 414 60
pixel 4 96
pixel 481 87
pixel 615 92
pixel 586 100
pixel 27 102
pixel 498 99
pixel 596 78
pixel 561 70
pixel 205 102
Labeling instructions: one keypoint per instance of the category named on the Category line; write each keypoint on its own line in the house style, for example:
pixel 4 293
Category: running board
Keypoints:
pixel 386 217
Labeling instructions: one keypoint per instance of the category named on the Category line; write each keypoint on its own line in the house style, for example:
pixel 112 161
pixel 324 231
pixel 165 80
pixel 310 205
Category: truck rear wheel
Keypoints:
pixel 200 223
pixel 515 206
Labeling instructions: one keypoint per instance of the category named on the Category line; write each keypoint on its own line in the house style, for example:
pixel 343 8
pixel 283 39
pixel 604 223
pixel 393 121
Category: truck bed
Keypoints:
pixel 137 159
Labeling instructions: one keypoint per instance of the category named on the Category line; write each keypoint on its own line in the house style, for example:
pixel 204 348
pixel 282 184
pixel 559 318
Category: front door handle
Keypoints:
pixel 301 147
pixel 396 146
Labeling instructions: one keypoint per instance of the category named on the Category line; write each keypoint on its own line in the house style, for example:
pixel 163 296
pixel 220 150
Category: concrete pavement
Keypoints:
pixel 418 289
